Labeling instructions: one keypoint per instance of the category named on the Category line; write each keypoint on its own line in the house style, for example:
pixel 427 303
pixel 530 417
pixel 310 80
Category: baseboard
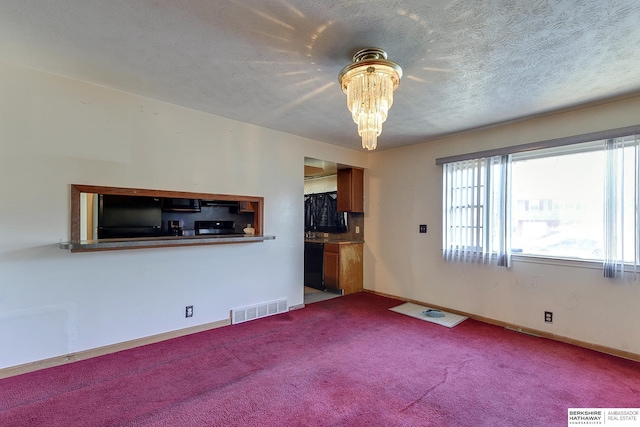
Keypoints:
pixel 100 351
pixel 596 347
pixel 108 349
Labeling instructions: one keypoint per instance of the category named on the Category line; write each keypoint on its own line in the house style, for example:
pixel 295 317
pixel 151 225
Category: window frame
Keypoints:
pixel 552 152
pixel 566 145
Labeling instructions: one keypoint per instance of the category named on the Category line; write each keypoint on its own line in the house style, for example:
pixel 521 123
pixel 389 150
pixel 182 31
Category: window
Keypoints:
pixel 475 213
pixel 321 213
pixel 563 191
pixel 576 201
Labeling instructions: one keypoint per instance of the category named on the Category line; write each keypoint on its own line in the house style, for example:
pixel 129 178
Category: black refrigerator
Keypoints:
pixel 314 265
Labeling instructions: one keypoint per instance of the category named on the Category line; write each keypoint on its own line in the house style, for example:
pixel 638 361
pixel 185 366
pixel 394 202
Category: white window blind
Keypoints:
pixel 476 218
pixel 325 184
pixel 557 219
pixel 621 211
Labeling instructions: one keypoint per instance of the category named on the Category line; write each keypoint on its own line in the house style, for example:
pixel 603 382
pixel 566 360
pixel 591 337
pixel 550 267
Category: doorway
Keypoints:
pixel 323 223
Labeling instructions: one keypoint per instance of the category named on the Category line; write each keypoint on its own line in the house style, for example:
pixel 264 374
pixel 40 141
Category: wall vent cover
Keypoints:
pixel 244 314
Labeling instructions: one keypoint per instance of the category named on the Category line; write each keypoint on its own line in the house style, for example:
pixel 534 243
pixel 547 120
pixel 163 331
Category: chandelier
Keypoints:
pixel 369 82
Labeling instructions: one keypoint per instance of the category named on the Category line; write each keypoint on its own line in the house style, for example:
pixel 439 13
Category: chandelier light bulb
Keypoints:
pixel 369 82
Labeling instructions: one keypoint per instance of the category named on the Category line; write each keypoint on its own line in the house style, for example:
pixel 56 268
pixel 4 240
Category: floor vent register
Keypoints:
pixel 252 312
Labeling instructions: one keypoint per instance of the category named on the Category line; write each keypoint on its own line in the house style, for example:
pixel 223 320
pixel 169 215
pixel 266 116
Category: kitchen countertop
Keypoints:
pixel 333 241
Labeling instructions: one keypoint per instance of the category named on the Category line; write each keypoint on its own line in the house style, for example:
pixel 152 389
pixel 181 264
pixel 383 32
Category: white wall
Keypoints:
pixel 405 190
pixel 55 132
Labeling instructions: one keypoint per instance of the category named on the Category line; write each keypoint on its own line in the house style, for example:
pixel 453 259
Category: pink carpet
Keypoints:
pixel 343 362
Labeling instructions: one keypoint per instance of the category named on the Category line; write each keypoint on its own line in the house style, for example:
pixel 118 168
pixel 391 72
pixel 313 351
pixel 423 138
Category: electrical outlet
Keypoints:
pixel 548 317
pixel 357 229
pixel 423 228
pixel 188 311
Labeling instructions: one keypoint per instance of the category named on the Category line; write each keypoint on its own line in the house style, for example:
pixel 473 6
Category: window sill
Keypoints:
pixel 564 262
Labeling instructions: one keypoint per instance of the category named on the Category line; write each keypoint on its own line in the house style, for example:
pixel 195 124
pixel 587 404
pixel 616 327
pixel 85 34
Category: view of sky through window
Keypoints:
pixel 557 205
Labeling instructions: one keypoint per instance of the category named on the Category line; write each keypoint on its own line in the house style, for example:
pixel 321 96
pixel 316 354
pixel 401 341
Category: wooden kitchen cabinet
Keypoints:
pixel 343 267
pixel 331 266
pixel 351 190
pixel 244 207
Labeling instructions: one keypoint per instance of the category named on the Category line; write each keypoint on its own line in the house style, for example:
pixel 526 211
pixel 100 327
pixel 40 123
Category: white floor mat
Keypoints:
pixel 414 310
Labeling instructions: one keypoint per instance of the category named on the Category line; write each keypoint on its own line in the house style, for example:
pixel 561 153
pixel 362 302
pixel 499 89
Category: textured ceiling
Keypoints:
pixel 467 63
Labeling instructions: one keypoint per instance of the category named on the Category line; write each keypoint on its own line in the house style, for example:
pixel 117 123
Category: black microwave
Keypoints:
pixel 180 205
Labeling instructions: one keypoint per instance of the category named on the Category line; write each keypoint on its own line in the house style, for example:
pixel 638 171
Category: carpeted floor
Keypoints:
pixel 347 361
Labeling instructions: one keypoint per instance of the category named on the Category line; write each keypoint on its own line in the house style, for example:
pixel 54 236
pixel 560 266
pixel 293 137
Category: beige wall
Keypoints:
pixel 55 132
pixel 405 190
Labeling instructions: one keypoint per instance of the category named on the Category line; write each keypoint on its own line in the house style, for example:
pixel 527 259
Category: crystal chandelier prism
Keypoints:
pixel 369 82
